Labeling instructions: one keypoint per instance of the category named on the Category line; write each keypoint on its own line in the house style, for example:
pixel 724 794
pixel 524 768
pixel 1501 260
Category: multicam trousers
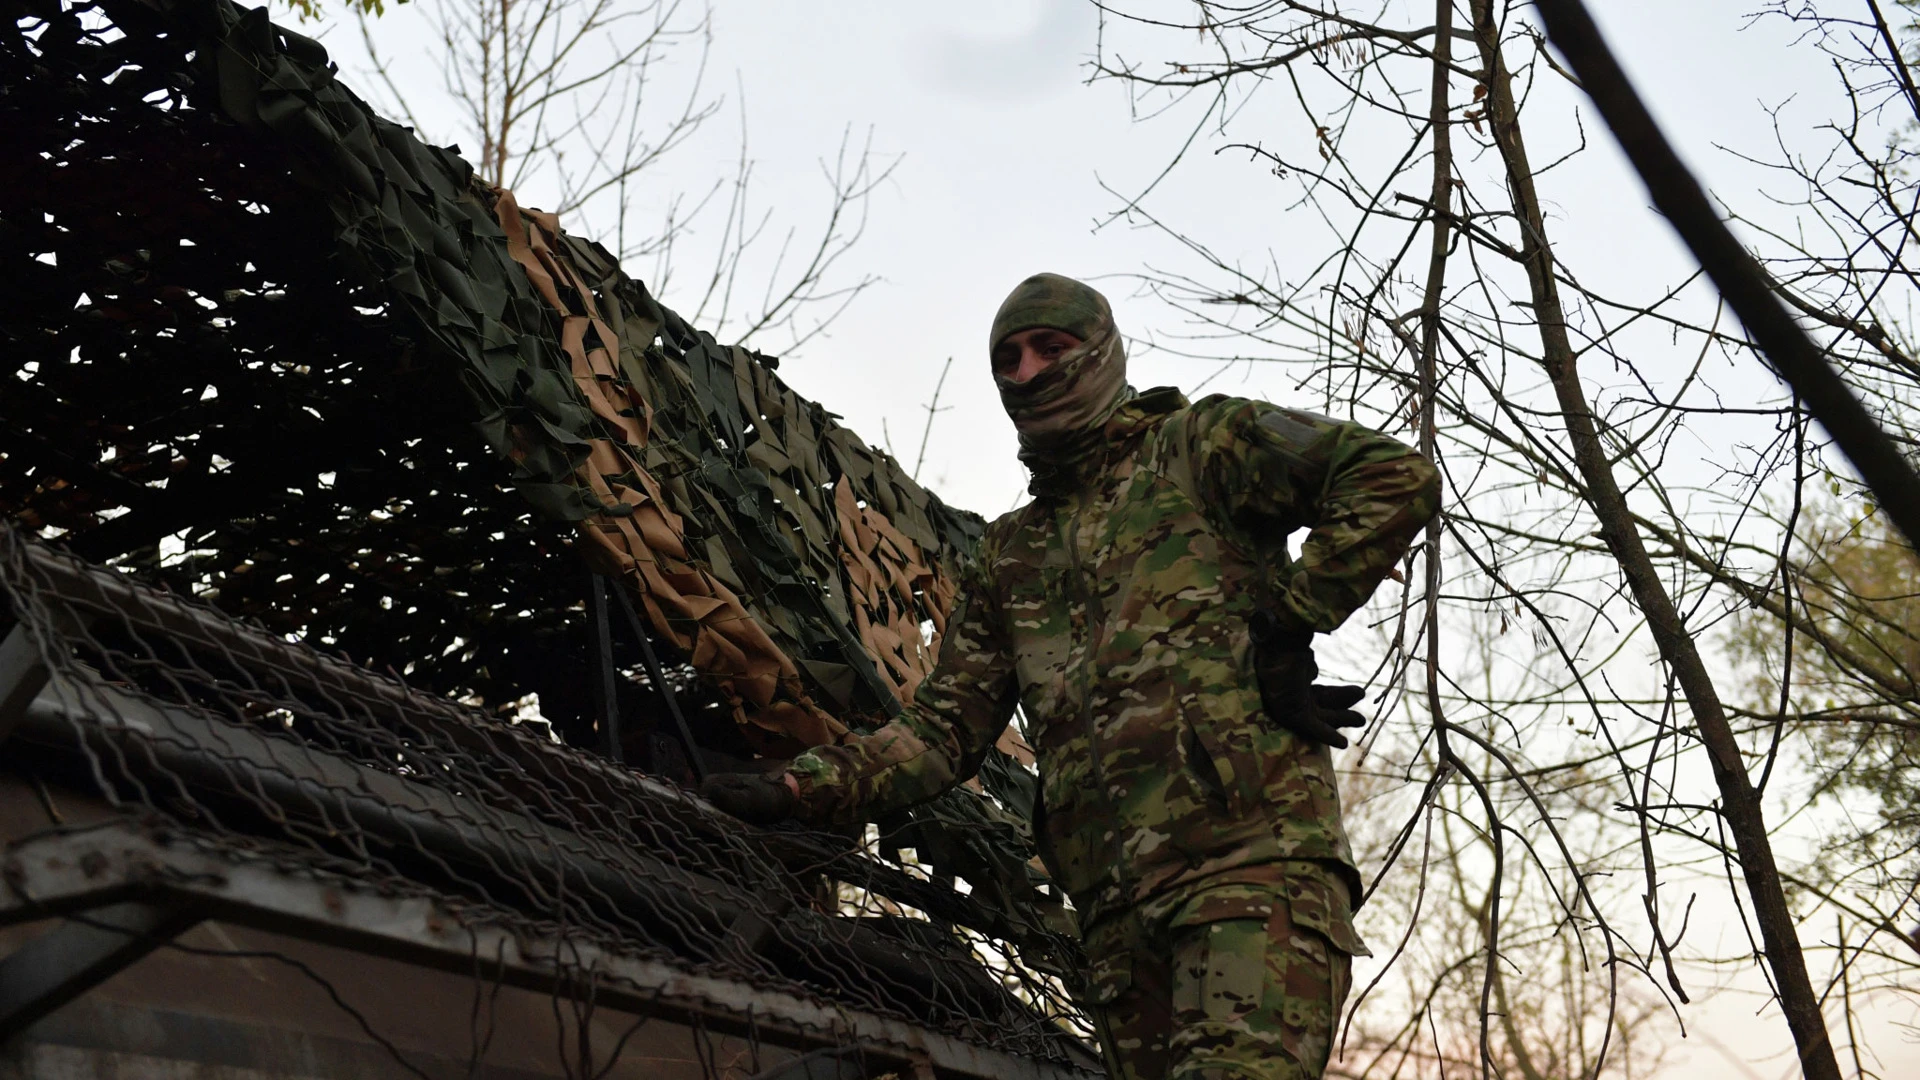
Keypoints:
pixel 1230 980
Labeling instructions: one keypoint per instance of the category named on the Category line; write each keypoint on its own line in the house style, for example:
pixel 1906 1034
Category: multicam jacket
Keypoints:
pixel 1117 616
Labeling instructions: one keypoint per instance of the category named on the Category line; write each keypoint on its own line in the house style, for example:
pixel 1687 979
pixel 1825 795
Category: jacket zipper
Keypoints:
pixel 1071 534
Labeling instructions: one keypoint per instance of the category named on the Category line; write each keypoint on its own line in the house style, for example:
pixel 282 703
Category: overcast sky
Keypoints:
pixel 1004 148
pixel 1003 152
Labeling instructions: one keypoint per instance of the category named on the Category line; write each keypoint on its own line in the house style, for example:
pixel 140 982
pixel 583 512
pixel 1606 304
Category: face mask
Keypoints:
pixel 1070 398
pixel 1067 403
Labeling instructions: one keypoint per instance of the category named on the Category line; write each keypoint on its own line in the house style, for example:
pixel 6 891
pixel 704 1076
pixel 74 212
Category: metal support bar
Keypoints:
pixel 659 678
pixel 604 674
pixel 23 671
pixel 80 954
pixel 22 676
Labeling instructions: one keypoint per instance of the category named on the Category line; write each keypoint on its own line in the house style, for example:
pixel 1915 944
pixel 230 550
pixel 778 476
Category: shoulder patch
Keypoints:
pixel 1297 426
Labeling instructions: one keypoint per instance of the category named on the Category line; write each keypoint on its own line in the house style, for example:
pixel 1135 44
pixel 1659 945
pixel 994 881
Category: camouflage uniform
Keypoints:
pixel 1201 845
pixel 1238 977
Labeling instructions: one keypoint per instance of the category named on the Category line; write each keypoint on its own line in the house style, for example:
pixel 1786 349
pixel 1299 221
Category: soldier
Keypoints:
pixel 1145 611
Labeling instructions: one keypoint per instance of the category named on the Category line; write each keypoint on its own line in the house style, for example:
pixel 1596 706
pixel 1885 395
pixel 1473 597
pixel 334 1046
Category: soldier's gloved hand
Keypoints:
pixel 1284 662
pixel 757 798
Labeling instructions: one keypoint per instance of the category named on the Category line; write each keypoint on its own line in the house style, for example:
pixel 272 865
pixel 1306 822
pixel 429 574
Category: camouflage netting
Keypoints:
pixel 273 351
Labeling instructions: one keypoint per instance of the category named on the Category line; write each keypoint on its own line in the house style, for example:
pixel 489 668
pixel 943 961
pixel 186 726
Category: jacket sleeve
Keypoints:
pixel 1362 496
pixel 958 712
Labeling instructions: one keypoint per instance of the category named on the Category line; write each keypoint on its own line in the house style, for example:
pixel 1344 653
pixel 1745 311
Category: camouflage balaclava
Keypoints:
pixel 1061 411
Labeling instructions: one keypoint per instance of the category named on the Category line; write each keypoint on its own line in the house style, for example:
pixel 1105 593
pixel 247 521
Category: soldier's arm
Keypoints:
pixel 1362 496
pixel 958 712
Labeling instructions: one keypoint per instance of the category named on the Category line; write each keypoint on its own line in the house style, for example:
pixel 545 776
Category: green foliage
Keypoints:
pixel 313 9
pixel 1855 668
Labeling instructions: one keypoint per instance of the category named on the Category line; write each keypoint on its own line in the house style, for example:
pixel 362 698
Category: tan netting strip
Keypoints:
pixel 891 584
pixel 891 588
pixel 690 591
pixel 638 538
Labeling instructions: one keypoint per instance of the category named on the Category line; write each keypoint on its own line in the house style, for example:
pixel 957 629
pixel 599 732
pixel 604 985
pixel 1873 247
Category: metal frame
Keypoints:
pixel 470 838
pixel 21 677
pixel 128 887
pixel 661 685
pixel 89 592
pixel 605 674
pixel 122 872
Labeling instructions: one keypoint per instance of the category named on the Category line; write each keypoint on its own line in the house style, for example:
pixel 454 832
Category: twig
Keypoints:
pixel 933 409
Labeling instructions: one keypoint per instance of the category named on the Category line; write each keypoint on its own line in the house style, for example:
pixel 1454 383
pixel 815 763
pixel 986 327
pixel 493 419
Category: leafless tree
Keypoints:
pixel 1625 483
pixel 1421 1013
pixel 577 104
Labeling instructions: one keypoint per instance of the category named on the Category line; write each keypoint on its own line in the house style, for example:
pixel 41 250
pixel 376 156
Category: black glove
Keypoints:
pixel 757 798
pixel 1284 662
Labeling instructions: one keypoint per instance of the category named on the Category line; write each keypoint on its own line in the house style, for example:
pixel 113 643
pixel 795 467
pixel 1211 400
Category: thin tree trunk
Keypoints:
pixel 1439 203
pixel 1741 806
